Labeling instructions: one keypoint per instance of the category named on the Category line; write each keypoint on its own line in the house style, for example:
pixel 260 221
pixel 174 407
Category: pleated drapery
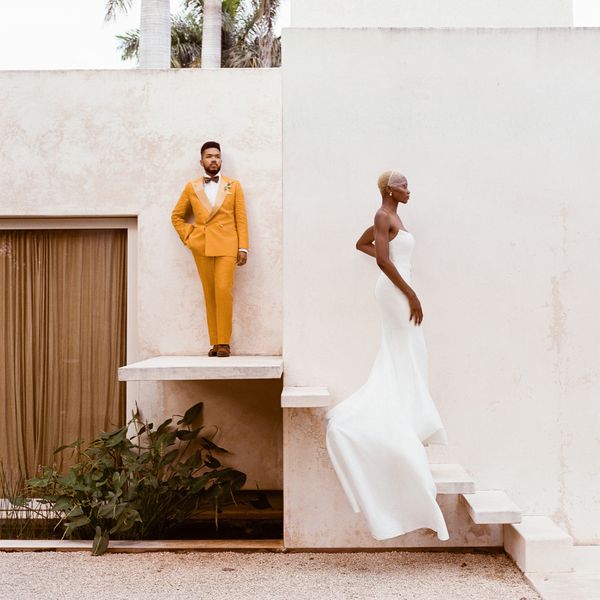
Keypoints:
pixel 62 338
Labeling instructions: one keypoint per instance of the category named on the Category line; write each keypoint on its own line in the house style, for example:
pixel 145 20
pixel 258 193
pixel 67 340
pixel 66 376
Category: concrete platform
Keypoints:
pixel 305 397
pixel 491 506
pixel 185 368
pixel 451 478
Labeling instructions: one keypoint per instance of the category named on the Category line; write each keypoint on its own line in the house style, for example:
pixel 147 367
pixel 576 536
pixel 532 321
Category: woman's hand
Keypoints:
pixel 416 311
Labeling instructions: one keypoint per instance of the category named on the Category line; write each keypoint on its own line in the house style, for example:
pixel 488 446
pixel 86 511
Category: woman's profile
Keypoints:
pixel 375 436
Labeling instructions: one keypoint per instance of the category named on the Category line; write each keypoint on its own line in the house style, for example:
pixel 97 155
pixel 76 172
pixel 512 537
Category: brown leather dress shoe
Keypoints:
pixel 223 350
pixel 213 351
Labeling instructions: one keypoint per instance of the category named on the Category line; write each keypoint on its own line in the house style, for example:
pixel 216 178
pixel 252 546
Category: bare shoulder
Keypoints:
pixel 382 218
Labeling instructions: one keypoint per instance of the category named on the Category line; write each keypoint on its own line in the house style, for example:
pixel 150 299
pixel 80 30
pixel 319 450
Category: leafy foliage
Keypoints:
pixel 247 36
pixel 229 7
pixel 138 485
pixel 186 42
pixel 253 43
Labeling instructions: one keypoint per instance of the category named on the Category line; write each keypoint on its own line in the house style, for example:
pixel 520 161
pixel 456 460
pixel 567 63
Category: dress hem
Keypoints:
pixel 394 535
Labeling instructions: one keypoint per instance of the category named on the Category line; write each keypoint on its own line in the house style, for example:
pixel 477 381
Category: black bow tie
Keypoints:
pixel 215 178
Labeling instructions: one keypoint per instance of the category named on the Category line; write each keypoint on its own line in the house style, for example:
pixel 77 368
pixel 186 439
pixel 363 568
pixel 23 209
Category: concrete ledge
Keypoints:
pixel 145 546
pixel 583 583
pixel 305 397
pixel 452 479
pixel 182 368
pixel 491 506
pixel 538 544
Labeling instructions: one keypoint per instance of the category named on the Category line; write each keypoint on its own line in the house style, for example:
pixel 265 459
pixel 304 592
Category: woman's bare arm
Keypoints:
pixel 381 231
pixel 365 242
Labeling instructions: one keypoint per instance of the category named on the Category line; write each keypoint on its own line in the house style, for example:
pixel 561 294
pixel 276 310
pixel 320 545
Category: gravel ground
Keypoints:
pixel 240 576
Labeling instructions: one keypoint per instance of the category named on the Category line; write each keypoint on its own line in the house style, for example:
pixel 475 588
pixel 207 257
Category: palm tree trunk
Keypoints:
pixel 211 35
pixel 267 13
pixel 155 35
pixel 265 46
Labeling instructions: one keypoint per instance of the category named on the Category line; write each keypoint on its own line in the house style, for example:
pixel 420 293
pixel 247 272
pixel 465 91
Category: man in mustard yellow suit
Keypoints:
pixel 218 239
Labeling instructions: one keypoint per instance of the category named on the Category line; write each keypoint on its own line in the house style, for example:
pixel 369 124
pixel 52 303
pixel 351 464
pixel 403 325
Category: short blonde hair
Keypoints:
pixel 389 178
pixel 383 180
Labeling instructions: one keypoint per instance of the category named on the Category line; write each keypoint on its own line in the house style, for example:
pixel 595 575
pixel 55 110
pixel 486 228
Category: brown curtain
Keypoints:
pixel 62 338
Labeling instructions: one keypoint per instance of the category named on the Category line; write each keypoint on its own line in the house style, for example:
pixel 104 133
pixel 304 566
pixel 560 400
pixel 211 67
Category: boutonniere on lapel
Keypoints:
pixel 227 188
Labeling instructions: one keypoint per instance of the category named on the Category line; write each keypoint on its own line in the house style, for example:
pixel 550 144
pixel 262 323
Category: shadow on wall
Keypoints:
pixel 246 411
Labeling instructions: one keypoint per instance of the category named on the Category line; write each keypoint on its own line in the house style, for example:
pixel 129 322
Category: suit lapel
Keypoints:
pixel 198 186
pixel 223 181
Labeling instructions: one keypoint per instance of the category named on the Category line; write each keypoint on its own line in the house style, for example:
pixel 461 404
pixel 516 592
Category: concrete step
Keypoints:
pixel 491 506
pixel 440 454
pixel 182 368
pixel 538 544
pixel 304 397
pixel 451 478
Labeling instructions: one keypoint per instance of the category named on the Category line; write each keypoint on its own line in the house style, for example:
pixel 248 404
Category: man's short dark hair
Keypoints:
pixel 208 145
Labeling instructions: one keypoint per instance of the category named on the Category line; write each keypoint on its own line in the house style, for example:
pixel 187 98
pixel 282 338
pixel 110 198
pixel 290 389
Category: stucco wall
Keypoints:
pixel 496 132
pixel 432 13
pixel 124 143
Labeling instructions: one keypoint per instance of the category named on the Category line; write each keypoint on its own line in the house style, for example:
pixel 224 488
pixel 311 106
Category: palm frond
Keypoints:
pixel 129 44
pixel 229 7
pixel 112 7
pixel 268 9
pixel 186 42
pixel 248 54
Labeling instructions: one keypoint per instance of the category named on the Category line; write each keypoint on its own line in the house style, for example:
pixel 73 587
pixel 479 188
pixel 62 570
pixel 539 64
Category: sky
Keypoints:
pixel 42 34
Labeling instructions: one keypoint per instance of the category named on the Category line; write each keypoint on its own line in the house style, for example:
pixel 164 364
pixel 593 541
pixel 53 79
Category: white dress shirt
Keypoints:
pixel 211 188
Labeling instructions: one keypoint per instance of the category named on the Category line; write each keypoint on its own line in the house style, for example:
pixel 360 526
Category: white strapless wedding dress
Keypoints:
pixel 375 437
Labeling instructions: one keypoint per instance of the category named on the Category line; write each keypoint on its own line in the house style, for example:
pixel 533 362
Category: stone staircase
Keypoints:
pixel 534 542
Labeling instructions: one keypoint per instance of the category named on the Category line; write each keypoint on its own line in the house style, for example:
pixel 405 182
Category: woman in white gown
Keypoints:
pixel 375 437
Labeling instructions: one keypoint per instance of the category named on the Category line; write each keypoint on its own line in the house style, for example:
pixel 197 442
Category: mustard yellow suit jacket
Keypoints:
pixel 217 231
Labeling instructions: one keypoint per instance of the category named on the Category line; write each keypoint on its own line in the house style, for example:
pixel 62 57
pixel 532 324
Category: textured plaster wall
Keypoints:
pixel 497 133
pixel 124 143
pixel 248 416
pixel 316 514
pixel 432 13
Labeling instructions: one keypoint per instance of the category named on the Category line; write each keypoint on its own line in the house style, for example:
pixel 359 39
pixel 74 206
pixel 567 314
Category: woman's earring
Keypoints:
pixel 391 194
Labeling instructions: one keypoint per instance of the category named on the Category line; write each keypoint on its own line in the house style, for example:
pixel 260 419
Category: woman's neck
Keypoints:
pixel 389 205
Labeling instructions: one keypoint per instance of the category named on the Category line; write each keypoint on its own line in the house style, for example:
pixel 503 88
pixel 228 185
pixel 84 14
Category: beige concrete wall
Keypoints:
pixel 124 143
pixel 248 416
pixel 432 13
pixel 496 131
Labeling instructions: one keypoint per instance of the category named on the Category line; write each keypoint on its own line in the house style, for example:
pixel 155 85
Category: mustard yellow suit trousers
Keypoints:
pixel 216 274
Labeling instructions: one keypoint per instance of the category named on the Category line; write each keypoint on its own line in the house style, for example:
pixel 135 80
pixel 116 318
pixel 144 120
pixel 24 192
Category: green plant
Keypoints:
pixel 21 517
pixel 140 484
